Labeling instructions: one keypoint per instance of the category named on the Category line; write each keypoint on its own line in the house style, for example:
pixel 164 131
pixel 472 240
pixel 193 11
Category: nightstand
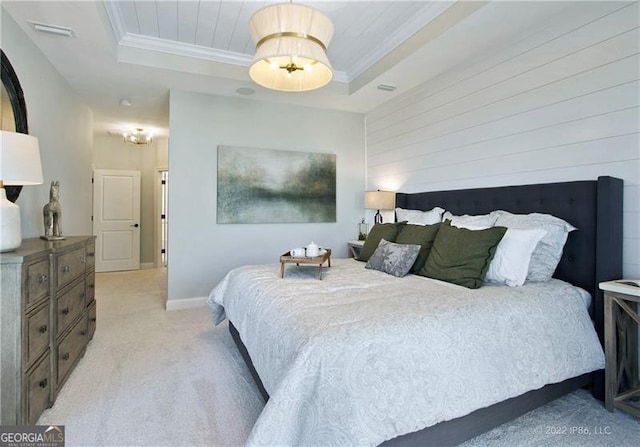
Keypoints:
pixel 355 247
pixel 621 345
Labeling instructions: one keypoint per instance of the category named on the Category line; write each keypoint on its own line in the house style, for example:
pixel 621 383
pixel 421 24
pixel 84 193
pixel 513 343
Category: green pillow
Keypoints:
pixel 461 256
pixel 422 235
pixel 387 231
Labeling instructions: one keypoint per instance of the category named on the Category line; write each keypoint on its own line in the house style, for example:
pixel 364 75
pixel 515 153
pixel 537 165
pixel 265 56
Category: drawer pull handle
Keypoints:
pixel 43 383
pixel 93 319
pixel 65 356
pixel 92 286
pixel 65 311
pixel 65 269
pixel 91 255
pixel 42 279
pixel 43 329
pixel 83 260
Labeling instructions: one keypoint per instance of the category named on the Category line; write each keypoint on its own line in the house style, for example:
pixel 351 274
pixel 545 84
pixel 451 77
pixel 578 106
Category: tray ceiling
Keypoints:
pixel 140 50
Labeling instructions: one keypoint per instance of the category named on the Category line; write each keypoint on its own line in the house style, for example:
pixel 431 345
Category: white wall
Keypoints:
pixel 63 126
pixel 201 252
pixel 560 104
pixel 112 153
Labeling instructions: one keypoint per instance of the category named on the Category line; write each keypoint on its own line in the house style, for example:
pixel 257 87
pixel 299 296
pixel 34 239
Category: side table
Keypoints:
pixel 355 247
pixel 621 345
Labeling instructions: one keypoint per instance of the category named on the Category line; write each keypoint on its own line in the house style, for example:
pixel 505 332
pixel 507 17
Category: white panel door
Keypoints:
pixel 116 219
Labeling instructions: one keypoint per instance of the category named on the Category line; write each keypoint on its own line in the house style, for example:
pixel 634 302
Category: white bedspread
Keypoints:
pixel 361 356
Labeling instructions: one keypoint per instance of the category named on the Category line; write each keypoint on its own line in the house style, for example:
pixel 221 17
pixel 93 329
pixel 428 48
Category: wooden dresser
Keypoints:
pixel 47 317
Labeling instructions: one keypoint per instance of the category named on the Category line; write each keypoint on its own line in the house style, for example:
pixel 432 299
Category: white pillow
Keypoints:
pixel 481 220
pixel 417 217
pixel 547 254
pixel 510 264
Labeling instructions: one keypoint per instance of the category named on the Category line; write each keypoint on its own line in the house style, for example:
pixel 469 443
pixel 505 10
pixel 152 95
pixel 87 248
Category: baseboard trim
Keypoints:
pixel 187 303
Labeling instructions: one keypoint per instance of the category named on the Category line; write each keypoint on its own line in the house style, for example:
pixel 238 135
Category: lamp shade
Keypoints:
pixel 379 200
pixel 19 165
pixel 19 159
pixel 291 43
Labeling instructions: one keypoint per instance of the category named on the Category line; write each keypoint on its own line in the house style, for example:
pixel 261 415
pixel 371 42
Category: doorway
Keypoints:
pixel 162 222
pixel 116 219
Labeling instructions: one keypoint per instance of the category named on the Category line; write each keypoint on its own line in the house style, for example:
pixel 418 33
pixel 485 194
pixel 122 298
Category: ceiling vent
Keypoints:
pixel 52 29
pixel 387 88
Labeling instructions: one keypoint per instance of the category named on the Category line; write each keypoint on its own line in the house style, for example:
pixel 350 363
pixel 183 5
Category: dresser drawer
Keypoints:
pixel 70 348
pixel 91 314
pixel 71 266
pixel 70 304
pixel 41 313
pixel 38 389
pixel 37 329
pixel 91 257
pixel 37 281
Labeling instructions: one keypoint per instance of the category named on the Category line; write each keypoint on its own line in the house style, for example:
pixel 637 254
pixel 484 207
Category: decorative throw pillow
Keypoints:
pixel 466 220
pixel 417 217
pixel 394 259
pixel 461 256
pixel 511 262
pixel 422 235
pixel 547 253
pixel 387 231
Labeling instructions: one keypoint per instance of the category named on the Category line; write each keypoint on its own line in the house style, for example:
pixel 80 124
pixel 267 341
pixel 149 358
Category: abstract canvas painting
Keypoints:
pixel 275 186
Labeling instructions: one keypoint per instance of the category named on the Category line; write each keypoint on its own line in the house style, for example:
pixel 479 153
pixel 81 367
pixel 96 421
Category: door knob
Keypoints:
pixel 134 225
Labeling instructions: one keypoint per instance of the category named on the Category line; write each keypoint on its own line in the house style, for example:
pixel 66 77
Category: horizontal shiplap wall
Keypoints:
pixel 559 104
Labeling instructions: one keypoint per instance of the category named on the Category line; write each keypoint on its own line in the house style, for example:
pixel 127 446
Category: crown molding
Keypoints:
pixel 157 45
pixel 183 49
pixel 445 20
pixel 139 42
pixel 398 37
pixel 115 19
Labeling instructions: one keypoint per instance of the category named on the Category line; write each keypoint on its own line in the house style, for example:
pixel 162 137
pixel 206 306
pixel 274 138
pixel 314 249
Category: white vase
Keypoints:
pixel 10 236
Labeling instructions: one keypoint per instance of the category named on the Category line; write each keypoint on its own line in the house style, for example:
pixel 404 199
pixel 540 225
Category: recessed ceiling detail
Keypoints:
pixel 245 91
pixel 218 31
pixel 148 48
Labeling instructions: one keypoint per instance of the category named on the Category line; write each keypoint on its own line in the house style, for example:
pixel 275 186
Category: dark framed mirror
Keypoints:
pixel 13 110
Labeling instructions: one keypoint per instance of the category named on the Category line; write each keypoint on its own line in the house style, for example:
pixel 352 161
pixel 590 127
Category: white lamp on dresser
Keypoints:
pixel 19 165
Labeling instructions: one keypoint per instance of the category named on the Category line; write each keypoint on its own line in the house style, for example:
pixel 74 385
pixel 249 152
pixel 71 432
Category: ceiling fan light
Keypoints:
pixel 289 37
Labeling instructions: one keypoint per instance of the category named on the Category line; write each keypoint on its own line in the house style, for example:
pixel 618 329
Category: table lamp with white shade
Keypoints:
pixel 19 166
pixel 379 200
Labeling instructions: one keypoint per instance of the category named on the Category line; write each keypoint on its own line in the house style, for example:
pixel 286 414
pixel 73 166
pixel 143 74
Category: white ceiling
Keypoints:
pixel 141 49
pixel 364 30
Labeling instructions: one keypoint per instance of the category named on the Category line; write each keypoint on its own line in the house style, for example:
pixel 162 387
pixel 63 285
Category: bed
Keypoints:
pixel 301 364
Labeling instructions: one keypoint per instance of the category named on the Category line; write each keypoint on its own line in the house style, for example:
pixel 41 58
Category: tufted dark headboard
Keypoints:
pixel 591 255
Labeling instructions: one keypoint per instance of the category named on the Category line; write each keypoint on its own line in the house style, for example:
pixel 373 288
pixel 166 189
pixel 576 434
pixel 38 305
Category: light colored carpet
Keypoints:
pixel 156 378
pixel 152 377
